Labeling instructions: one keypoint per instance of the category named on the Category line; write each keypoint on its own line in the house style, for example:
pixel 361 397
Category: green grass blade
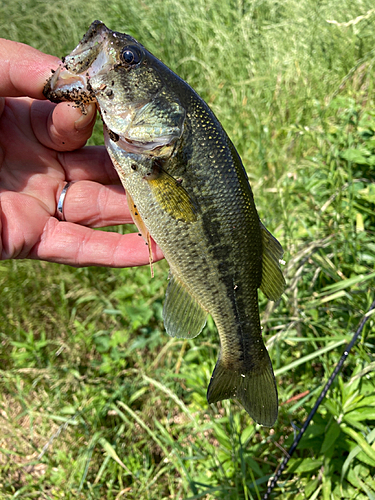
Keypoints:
pixel 108 448
pixel 370 452
pixel 309 357
pixel 370 438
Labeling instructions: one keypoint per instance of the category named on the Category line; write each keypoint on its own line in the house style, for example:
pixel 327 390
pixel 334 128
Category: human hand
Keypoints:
pixel 41 149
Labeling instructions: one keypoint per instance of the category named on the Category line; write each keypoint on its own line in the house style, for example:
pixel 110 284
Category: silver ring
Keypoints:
pixel 60 203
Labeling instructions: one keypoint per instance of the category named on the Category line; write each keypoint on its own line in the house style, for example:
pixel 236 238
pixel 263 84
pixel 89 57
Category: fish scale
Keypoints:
pixel 192 196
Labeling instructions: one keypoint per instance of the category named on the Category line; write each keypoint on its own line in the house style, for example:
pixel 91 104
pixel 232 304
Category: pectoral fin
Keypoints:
pixel 172 197
pixel 183 316
pixel 273 282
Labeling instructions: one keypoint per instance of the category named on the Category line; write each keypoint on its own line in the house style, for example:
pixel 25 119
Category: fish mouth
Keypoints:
pixel 70 82
pixel 89 57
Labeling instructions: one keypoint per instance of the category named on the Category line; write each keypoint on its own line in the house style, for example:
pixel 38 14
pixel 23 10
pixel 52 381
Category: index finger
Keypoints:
pixel 23 70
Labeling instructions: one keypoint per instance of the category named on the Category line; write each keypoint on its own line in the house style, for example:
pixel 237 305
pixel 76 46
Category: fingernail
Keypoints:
pixel 85 119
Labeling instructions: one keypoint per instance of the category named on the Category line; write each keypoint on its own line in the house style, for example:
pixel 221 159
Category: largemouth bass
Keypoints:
pixel 187 189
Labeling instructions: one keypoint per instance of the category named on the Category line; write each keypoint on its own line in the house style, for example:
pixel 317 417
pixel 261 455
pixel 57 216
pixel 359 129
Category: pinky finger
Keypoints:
pixel 79 246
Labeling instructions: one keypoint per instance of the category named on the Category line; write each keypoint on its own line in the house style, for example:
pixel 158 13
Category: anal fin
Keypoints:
pixel 183 315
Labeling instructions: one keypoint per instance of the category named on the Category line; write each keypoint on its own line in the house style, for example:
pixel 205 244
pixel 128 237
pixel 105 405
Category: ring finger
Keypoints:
pixel 94 205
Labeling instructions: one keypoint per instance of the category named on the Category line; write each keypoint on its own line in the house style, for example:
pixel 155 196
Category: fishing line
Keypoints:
pixel 318 401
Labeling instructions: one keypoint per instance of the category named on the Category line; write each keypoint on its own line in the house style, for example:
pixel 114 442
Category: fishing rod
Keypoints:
pixel 318 401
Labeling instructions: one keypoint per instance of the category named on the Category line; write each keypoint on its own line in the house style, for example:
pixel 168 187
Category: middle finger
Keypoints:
pixel 89 163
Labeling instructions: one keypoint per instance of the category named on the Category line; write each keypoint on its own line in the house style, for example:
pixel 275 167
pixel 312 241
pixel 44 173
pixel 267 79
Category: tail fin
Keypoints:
pixel 255 389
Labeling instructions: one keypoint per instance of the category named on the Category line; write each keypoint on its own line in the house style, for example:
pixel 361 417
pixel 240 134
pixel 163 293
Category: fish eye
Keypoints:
pixel 131 55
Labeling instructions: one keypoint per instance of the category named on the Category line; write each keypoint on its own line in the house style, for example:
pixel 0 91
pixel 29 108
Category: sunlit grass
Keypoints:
pixel 96 401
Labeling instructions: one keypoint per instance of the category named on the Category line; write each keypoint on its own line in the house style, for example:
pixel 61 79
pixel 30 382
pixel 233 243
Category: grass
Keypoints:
pixel 96 402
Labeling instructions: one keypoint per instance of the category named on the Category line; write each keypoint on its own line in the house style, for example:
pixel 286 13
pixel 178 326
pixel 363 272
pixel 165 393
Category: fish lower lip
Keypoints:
pixel 65 84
